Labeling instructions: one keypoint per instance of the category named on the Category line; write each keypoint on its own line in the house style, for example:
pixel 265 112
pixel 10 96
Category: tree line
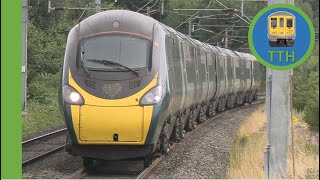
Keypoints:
pixel 47 34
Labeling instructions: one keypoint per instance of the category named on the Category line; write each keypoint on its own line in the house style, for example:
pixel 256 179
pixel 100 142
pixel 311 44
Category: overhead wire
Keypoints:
pixel 144 5
pixel 235 14
pixel 192 16
pixel 133 4
pixel 154 4
pixel 78 19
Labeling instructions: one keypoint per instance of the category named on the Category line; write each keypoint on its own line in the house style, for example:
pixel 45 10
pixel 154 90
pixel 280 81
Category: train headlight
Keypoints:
pixel 153 96
pixel 72 96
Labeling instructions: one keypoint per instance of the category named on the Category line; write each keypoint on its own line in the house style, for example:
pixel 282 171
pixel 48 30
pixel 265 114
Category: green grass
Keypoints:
pixel 40 117
pixel 42 105
pixel 312 148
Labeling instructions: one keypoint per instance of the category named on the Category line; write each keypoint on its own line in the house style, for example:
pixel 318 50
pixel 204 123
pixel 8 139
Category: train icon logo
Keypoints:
pixel 281 36
pixel 281 29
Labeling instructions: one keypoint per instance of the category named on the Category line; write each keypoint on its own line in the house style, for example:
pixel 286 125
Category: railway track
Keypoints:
pixel 39 147
pixel 115 172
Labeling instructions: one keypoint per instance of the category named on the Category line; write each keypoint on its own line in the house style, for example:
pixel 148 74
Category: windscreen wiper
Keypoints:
pixel 111 63
pixel 84 66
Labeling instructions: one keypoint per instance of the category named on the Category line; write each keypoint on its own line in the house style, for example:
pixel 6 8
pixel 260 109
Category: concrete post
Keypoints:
pixel 24 55
pixel 278 117
pixel 98 5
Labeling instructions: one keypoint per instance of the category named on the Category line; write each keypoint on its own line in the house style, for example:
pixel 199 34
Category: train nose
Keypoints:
pixel 111 124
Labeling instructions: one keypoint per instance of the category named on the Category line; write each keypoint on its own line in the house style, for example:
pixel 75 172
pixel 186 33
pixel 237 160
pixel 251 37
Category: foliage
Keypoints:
pixel 312 106
pixel 47 34
pixel 44 88
pixel 306 89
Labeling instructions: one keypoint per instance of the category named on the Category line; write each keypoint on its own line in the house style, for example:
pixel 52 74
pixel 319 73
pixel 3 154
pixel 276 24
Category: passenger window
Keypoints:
pixel 289 23
pixel 281 22
pixel 274 22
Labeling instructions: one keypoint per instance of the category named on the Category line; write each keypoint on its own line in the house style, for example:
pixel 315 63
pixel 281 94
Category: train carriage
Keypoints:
pixel 128 91
pixel 246 77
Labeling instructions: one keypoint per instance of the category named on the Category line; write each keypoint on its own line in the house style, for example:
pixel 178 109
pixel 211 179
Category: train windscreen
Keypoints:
pixel 274 22
pixel 281 22
pixel 130 51
pixel 289 23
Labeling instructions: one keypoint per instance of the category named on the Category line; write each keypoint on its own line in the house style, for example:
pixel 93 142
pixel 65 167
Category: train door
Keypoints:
pixel 199 74
pixel 251 74
pixel 177 72
pixel 256 74
pixel 243 70
pixel 230 74
pixel 238 74
pixel 189 72
pixel 212 76
pixel 221 75
pixel 203 75
pixel 183 76
pixel 193 74
pixel 171 74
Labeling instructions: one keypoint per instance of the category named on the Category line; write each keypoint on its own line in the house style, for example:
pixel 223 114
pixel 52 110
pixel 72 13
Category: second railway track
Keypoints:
pixel 39 147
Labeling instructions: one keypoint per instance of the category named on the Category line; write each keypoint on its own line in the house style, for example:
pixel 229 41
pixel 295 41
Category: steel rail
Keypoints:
pixel 44 136
pixel 37 158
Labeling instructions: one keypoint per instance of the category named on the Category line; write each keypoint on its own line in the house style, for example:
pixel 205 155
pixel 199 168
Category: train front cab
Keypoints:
pixel 281 29
pixel 113 117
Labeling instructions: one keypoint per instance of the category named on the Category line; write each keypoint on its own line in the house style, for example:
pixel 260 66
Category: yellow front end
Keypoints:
pixel 281 28
pixel 111 122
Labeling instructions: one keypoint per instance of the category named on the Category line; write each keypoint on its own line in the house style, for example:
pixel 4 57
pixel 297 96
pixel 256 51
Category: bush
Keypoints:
pixel 44 88
pixel 312 110
pixel 43 106
pixel 306 89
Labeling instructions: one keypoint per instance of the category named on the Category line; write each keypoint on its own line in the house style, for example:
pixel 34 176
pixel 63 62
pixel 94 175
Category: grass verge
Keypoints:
pixel 40 117
pixel 246 157
pixel 43 107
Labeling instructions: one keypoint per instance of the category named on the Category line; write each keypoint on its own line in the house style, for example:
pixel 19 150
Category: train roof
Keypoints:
pixel 241 55
pixel 279 13
pixel 127 21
